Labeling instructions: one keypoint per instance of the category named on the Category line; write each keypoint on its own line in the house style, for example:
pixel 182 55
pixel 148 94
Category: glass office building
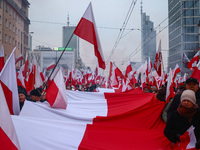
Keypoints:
pixel 148 38
pixel 184 16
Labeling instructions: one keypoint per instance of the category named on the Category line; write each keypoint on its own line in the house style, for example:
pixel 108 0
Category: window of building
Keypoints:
pixel 9 40
pixel 0 3
pixel 10 26
pixel 18 45
pixel 6 23
pixel 14 14
pixel 6 38
pixel 13 43
pixel 13 29
pixel 10 11
pixel 6 7
pixel 16 30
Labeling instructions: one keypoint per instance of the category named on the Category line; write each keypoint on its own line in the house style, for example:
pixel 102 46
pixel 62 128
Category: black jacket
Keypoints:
pixel 178 125
pixel 176 101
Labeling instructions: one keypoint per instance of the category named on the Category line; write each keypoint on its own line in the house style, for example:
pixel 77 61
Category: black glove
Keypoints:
pixel 197 145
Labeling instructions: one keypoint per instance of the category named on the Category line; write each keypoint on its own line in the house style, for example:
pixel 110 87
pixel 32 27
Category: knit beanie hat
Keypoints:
pixel 36 92
pixel 188 95
pixel 21 90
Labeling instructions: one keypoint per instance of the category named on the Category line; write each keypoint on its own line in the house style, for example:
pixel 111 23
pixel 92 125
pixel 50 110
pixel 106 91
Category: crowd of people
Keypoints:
pixel 179 114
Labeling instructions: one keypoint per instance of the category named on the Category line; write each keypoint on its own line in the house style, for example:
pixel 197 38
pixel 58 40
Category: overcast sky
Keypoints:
pixel 49 16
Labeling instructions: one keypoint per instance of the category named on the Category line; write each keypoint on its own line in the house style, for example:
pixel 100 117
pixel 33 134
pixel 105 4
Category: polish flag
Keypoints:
pixel 8 134
pixel 187 141
pixel 196 73
pixel 194 61
pixel 20 78
pixel 129 71
pixel 86 29
pixel 51 66
pixel 158 60
pixel 149 66
pixel 25 66
pixel 185 59
pixel 95 120
pixel 169 90
pixel 1 58
pixel 56 92
pixel 8 82
pixel 175 71
pixel 19 58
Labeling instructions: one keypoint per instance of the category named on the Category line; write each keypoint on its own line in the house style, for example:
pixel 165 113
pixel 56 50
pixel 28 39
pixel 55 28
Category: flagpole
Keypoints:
pixel 58 61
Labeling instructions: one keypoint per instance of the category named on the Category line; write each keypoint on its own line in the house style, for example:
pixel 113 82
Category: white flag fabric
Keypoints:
pixel 55 94
pixel 8 81
pixel 8 134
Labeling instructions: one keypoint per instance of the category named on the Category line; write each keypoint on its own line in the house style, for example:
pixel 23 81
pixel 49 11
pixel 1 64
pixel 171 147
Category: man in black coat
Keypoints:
pixel 191 84
pixel 180 121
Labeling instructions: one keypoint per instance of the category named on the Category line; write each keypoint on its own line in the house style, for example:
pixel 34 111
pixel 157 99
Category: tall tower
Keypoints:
pixel 183 31
pixel 148 37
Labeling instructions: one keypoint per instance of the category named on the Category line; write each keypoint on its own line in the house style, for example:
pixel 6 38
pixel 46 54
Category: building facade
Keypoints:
pixel 73 43
pixel 183 31
pixel 14 26
pixel 148 38
pixel 45 56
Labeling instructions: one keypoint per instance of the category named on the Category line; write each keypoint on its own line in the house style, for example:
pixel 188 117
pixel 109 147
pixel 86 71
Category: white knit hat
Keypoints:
pixel 188 95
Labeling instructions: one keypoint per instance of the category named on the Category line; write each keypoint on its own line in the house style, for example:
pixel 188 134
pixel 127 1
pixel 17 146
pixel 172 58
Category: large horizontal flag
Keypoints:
pixel 94 121
pixel 87 30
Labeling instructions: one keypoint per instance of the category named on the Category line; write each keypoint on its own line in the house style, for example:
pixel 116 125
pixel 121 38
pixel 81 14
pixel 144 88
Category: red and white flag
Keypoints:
pixel 149 66
pixel 175 71
pixel 185 59
pixel 8 81
pixel 158 60
pixel 19 58
pixel 25 66
pixel 86 29
pixel 56 92
pixel 8 134
pixel 169 90
pixel 196 73
pixel 194 61
pixel 51 66
pixel 1 58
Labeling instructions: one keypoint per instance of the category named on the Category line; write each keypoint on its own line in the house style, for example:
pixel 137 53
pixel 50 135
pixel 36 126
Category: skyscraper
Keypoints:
pixel 183 31
pixel 148 38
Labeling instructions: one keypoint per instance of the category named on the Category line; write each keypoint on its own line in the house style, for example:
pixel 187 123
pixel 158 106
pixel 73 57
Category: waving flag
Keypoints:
pixel 175 71
pixel 158 60
pixel 19 58
pixel 169 90
pixel 56 92
pixel 194 61
pixel 8 81
pixel 8 134
pixel 185 59
pixel 51 66
pixel 149 66
pixel 86 29
pixel 1 58
pixel 196 73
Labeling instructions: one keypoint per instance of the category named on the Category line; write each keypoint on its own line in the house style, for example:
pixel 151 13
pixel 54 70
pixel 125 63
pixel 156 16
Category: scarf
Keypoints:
pixel 187 112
